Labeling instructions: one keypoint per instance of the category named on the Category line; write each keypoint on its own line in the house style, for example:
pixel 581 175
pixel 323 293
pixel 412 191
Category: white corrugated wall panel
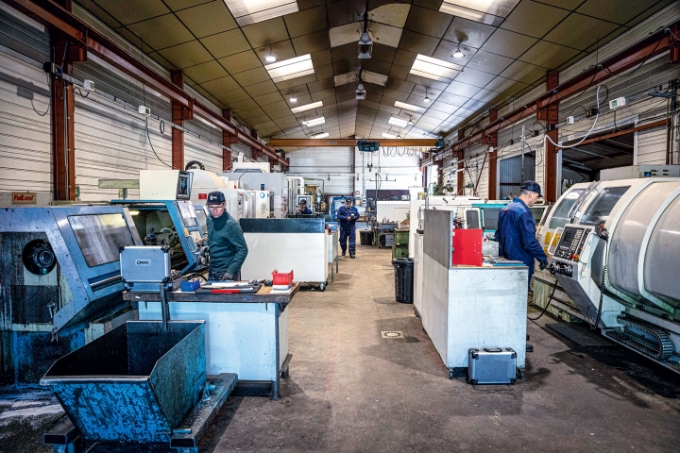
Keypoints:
pixel 650 146
pixel 205 148
pixel 25 151
pixel 399 168
pixel 322 163
pixel 111 142
pixel 477 170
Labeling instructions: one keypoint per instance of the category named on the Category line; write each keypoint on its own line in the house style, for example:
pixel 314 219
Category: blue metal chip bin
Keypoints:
pixel 134 384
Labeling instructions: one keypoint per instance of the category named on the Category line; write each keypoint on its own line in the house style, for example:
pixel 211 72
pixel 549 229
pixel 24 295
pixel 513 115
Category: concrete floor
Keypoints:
pixel 351 390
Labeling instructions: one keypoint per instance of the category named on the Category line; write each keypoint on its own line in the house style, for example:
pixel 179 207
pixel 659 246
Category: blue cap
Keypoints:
pixel 303 201
pixel 348 200
pixel 216 197
pixel 531 186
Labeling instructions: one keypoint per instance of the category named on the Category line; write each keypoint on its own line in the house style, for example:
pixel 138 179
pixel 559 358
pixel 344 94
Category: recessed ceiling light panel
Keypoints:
pixel 248 12
pixel 486 11
pixel 394 121
pixel 320 135
pixel 304 108
pixel 435 69
pixel 386 135
pixel 405 106
pixel 315 122
pixel 290 69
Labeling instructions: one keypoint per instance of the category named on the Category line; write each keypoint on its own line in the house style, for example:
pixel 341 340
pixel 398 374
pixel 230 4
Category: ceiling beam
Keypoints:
pixel 637 54
pixel 58 19
pixel 591 153
pixel 315 142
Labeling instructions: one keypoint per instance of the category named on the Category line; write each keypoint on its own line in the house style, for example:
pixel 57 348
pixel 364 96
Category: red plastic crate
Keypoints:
pixel 279 278
pixel 467 247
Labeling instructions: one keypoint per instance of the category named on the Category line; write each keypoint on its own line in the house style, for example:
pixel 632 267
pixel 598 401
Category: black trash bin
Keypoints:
pixel 366 237
pixel 403 280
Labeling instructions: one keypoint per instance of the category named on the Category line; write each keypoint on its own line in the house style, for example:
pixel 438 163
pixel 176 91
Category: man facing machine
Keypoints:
pixel 228 248
pixel 348 216
pixel 303 207
pixel 516 231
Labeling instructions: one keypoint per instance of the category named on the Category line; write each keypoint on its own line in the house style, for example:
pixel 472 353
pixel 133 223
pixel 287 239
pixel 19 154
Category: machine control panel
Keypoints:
pixel 572 242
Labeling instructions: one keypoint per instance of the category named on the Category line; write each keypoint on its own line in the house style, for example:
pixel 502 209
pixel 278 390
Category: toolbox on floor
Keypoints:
pixel 492 366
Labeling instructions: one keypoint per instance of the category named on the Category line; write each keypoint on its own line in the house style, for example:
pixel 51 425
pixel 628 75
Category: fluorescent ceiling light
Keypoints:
pixel 435 69
pixel 248 12
pixel 386 135
pixel 320 135
pixel 304 108
pixel 405 106
pixel 315 122
pixel 394 121
pixel 290 69
pixel 485 11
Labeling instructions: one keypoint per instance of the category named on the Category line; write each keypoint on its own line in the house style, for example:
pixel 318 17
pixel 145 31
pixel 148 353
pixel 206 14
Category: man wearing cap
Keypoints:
pixel 303 207
pixel 228 248
pixel 516 231
pixel 348 215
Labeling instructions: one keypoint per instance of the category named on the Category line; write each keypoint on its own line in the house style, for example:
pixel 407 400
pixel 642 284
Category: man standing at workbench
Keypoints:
pixel 516 231
pixel 227 246
pixel 348 216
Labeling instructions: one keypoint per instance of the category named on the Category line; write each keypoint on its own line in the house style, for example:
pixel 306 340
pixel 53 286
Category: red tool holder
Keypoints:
pixel 467 247
pixel 279 278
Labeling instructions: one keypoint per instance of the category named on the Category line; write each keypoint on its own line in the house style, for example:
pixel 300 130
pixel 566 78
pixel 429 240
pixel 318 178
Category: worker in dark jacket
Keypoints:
pixel 303 207
pixel 228 249
pixel 516 231
pixel 348 215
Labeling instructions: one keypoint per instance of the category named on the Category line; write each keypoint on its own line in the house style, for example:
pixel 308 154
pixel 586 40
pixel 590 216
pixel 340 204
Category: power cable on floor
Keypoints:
pixel 547 303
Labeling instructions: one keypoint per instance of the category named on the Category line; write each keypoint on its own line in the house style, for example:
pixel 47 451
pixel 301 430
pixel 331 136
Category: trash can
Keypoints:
pixel 403 280
pixel 366 237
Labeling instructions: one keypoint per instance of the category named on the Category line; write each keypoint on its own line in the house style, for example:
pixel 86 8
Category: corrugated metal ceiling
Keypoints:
pixel 225 62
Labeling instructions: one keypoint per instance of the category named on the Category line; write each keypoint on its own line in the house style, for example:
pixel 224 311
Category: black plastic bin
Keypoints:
pixel 366 237
pixel 403 280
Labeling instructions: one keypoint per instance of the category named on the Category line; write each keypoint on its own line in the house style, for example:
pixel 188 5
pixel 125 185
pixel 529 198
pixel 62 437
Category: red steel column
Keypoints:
pixel 551 116
pixel 492 141
pixel 228 139
pixel 178 116
pixel 461 164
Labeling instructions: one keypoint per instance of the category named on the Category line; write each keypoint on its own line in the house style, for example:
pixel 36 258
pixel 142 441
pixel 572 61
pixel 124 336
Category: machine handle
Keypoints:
pixel 552 241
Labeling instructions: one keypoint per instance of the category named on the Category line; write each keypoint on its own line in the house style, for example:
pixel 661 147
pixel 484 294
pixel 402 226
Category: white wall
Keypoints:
pixel 25 152
pixel 397 172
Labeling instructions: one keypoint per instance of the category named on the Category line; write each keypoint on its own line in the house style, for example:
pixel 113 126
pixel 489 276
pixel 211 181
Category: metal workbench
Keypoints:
pixel 246 333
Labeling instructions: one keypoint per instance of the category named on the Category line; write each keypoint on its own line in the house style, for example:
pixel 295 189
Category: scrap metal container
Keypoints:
pixel 135 383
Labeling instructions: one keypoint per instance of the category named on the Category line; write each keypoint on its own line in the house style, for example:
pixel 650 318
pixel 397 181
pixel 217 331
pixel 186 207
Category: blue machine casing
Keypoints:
pixel 135 383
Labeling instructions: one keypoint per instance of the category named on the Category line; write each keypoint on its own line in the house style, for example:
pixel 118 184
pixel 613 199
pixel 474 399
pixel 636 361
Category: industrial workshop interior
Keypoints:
pixel 339 226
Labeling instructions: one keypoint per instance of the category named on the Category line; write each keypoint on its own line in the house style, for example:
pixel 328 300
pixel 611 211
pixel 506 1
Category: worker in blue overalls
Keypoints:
pixel 348 215
pixel 303 207
pixel 516 231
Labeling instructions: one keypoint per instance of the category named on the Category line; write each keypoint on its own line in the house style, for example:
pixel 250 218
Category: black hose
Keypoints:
pixel 191 163
pixel 547 303
pixel 599 309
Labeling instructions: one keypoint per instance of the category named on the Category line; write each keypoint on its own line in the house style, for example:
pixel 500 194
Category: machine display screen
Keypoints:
pixel 184 186
pixel 101 236
pixel 188 213
pixel 560 215
pixel 602 206
pixel 490 217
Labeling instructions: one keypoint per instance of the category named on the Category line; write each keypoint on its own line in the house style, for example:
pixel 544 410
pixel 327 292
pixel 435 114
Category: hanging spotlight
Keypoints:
pixel 270 58
pixel 458 53
pixel 365 46
pixel 293 99
pixel 361 91
pixel 427 98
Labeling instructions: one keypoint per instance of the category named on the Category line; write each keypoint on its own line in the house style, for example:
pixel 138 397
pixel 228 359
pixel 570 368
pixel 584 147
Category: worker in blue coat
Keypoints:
pixel 516 231
pixel 348 215
pixel 303 207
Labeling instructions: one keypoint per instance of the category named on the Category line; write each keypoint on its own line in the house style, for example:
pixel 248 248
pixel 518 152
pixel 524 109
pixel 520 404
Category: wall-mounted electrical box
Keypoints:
pixel 144 110
pixel 617 103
